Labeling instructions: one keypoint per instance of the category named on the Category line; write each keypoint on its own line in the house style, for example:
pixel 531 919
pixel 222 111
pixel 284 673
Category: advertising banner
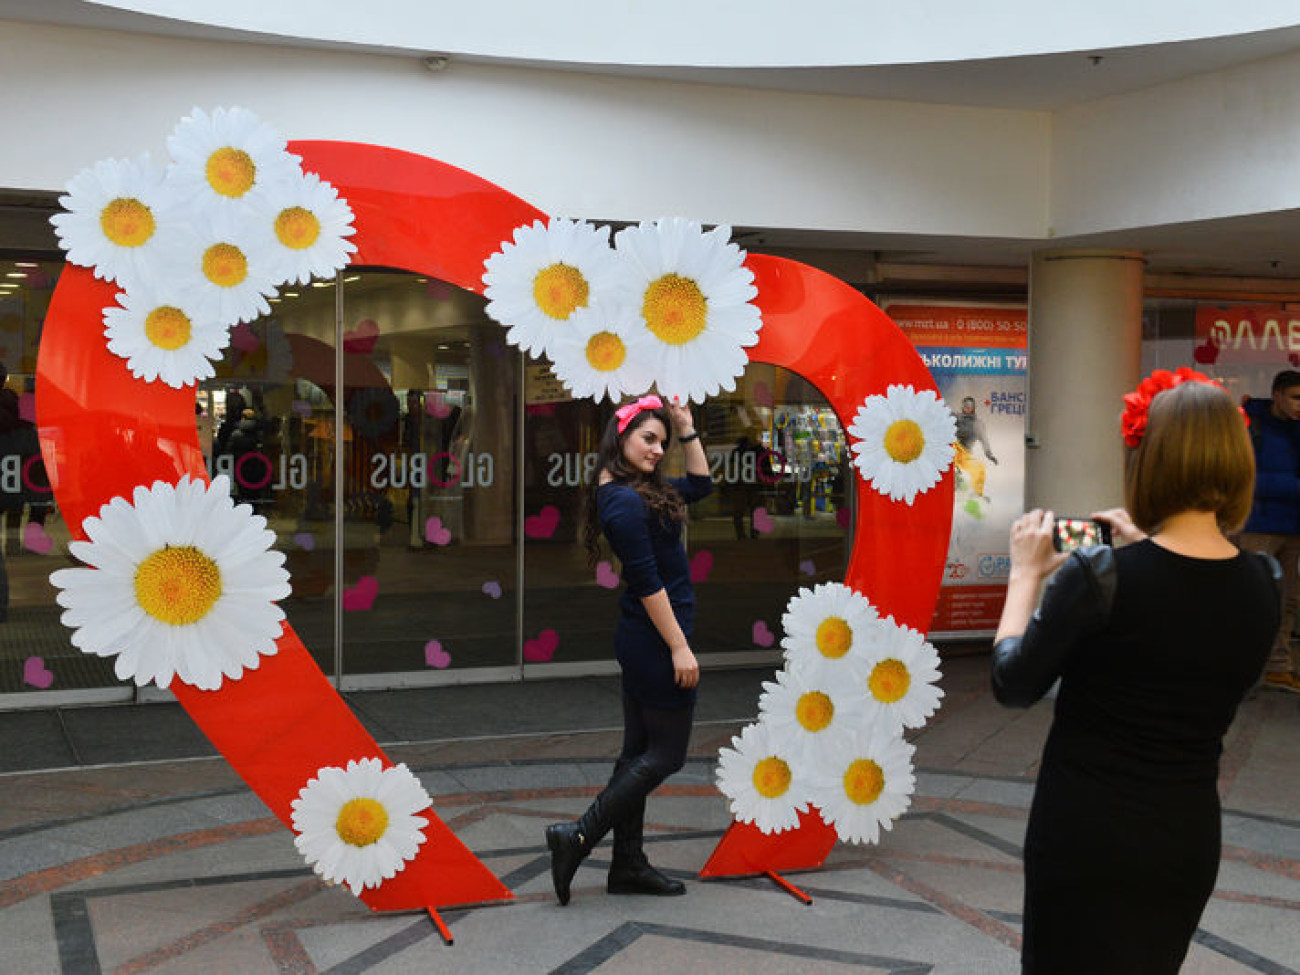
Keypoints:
pixel 978 357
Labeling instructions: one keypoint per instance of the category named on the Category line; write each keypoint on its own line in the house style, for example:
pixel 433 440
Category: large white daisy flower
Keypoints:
pixel 829 624
pixel 120 218
pixel 181 583
pixel 359 825
pixel 764 780
pixel 162 337
pixel 602 353
pixel 809 708
pixel 902 671
pixel 863 782
pixel 550 271
pixel 903 441
pixel 693 294
pixel 224 267
pixel 219 159
pixel 306 225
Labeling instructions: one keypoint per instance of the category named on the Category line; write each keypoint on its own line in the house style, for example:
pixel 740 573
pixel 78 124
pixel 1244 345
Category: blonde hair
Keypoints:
pixel 1195 456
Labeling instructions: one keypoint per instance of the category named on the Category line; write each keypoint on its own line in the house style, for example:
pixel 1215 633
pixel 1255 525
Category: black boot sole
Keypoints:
pixel 644 891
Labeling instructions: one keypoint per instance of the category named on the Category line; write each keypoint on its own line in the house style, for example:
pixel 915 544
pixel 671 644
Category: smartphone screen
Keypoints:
pixel 1072 533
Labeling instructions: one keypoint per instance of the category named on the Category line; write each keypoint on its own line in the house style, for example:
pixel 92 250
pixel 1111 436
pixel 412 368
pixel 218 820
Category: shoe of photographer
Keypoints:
pixel 1280 681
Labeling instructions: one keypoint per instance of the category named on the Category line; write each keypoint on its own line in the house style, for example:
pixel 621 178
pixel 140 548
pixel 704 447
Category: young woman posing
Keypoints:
pixel 641 514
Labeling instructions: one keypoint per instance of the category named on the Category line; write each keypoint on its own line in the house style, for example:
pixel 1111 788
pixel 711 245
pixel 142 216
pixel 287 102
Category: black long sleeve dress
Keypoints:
pixel 652 557
pixel 1154 650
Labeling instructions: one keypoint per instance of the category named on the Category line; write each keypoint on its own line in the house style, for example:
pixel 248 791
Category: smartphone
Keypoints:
pixel 1072 533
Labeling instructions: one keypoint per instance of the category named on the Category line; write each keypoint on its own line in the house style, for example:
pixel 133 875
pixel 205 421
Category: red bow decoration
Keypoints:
pixel 1137 404
pixel 625 413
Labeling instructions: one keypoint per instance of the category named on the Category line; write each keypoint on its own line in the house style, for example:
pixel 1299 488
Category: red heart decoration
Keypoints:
pixel 542 524
pixel 361 340
pixel 542 648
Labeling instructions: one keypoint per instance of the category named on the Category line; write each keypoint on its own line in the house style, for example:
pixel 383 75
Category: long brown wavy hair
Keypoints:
pixel 660 497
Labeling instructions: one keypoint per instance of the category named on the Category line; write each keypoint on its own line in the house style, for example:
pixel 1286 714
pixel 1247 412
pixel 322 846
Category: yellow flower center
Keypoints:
pixel 231 172
pixel 864 781
pixel 297 228
pixel 127 222
pixel 605 351
pixel 889 681
pixel 225 265
pixel 559 289
pixel 177 585
pixel 771 777
pixel 675 309
pixel 167 327
pixel 834 637
pixel 814 711
pixel 904 441
pixel 361 822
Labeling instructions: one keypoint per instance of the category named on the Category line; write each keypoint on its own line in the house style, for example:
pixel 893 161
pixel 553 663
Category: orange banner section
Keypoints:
pixel 962 325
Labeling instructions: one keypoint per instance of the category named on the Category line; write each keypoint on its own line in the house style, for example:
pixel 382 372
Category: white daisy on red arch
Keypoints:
pixel 360 825
pixel 862 782
pixel 181 583
pixel 223 266
pixel 218 160
pixel 902 675
pixel 809 708
pixel 120 217
pixel 903 441
pixel 602 354
pixel 763 779
pixel 306 224
pixel 163 337
pixel 694 296
pixel 829 624
pixel 536 283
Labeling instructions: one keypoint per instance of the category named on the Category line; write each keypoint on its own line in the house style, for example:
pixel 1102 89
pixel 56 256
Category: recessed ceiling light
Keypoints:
pixel 16 274
pixel 355 277
pixel 25 264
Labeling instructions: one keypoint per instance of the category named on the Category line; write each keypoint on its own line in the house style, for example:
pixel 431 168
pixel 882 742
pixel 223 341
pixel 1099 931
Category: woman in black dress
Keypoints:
pixel 641 514
pixel 1155 645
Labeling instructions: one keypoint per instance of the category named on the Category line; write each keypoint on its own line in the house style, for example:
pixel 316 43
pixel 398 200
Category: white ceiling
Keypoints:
pixel 1262 246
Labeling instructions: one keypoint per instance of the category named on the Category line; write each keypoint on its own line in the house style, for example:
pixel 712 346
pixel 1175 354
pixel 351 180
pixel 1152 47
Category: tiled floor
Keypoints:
pixel 173 867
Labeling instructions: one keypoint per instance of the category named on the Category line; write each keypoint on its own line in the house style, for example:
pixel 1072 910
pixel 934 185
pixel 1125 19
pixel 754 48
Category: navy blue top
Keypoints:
pixel 1276 509
pixel 653 558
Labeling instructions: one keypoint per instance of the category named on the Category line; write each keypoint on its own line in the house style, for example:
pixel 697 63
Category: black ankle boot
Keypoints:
pixel 570 843
pixel 630 872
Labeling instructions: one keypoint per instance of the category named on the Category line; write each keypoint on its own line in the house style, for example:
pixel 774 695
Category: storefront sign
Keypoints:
pixel 978 358
pixel 1247 333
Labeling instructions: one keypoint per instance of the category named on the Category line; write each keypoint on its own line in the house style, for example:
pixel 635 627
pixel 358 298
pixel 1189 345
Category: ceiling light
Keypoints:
pixel 16 274
pixel 25 264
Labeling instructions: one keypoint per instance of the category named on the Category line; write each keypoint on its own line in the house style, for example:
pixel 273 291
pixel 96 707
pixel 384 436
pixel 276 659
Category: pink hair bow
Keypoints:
pixel 625 413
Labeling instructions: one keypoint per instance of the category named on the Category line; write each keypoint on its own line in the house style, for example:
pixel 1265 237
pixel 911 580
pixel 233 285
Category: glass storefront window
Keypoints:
pixel 429 495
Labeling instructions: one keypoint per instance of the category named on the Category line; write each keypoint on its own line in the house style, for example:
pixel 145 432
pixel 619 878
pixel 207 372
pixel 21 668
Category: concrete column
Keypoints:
pixel 1085 346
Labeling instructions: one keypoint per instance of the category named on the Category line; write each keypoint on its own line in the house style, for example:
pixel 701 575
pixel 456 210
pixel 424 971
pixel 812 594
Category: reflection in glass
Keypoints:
pixel 429 511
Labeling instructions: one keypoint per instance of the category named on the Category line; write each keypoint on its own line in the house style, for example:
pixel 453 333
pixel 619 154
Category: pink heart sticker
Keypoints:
pixel 763 394
pixel 244 338
pixel 361 340
pixel 807 567
pixel 436 406
pixel 435 532
pixel 436 656
pixel 35 539
pixel 36 673
pixel 305 541
pixel 362 595
pixel 542 524
pixel 542 648
pixel 701 565
pixel 606 577
pixel 763 522
pixel 762 635
pixel 843 518
pixel 492 589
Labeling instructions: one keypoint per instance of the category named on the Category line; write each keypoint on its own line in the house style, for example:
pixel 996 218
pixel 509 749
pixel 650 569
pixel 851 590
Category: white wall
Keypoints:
pixel 1219 144
pixel 571 144
pixel 742 33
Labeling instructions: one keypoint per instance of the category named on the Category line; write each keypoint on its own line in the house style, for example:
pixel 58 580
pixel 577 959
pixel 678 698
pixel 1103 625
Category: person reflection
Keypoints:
pixel 18 443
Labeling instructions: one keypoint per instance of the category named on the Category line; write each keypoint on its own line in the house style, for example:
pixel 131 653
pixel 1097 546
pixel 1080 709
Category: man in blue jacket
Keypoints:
pixel 1274 523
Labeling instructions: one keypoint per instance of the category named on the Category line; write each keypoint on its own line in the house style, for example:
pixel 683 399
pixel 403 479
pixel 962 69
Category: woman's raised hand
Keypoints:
pixel 1032 552
pixel 683 422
